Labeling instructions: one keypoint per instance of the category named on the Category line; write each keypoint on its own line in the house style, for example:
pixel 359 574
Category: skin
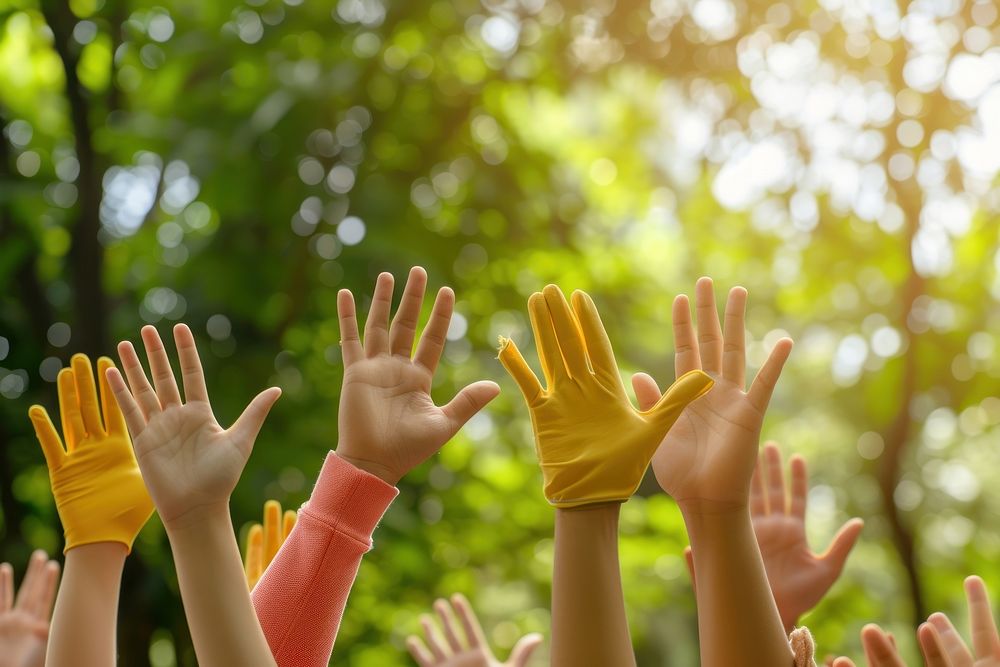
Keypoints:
pixel 706 463
pixel 940 643
pixel 449 646
pixel 799 578
pixel 388 421
pixel 191 466
pixel 24 622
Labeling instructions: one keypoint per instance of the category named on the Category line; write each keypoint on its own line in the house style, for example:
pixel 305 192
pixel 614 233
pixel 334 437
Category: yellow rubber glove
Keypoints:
pixel 95 480
pixel 263 542
pixel 593 446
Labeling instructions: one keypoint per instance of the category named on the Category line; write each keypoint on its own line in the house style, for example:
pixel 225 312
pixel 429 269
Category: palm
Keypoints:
pixel 798 578
pixel 22 646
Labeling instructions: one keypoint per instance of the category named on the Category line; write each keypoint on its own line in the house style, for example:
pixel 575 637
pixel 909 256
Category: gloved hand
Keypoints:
pixel 592 444
pixel 95 480
pixel 263 542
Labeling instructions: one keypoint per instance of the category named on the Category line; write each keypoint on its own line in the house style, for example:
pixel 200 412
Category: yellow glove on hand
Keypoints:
pixel 95 480
pixel 593 446
pixel 263 542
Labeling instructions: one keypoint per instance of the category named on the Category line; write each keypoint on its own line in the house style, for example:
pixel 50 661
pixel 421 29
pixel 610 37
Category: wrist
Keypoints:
pixel 197 517
pixel 380 470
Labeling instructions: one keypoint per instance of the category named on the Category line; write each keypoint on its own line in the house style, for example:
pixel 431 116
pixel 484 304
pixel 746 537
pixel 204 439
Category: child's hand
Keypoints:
pixel 388 421
pixel 706 460
pixel 24 624
pixel 941 644
pixel 189 462
pixel 593 446
pixel 799 578
pixel 463 649
pixel 99 492
pixel 263 542
pixel 880 650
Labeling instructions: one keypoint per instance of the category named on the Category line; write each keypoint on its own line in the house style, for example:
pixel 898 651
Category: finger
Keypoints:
pixel 951 642
pixel 800 487
pixel 709 329
pixel 689 560
pixel 288 522
pixel 31 587
pixel 434 641
pixel 192 374
pixel 767 377
pixel 248 425
pixel 86 391
pixel 69 409
pixel 546 343
pixel 435 334
pixel 419 651
pixel 52 448
pixel 404 324
pixel 758 493
pixel 840 548
pixel 134 419
pixel 473 630
pixel 448 623
pixel 254 556
pixel 350 341
pixel 843 662
pixel 138 384
pixel 159 367
pixel 114 420
pixel 47 598
pixel 880 650
pixel 930 646
pixel 377 324
pixel 6 587
pixel 518 368
pixel 776 501
pixel 687 388
pixel 734 358
pixel 647 392
pixel 595 338
pixel 985 641
pixel 468 402
pixel 272 530
pixel 521 653
pixel 686 356
pixel 567 330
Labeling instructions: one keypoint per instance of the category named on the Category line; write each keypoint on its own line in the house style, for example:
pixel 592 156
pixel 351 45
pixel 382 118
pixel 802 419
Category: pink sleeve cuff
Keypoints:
pixel 348 499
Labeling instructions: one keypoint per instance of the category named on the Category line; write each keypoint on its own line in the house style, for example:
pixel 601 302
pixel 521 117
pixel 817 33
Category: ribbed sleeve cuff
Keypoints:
pixel 349 499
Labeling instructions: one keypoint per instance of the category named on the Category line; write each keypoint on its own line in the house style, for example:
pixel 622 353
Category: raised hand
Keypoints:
pixel 99 492
pixel 264 541
pixel 463 648
pixel 706 460
pixel 388 421
pixel 189 462
pixel 943 646
pixel 593 445
pixel 24 623
pixel 880 650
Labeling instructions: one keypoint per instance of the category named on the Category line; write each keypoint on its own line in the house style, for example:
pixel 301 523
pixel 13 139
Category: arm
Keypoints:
pixel 706 463
pixel 463 648
pixel 191 466
pixel 24 624
pixel 102 503
pixel 388 424
pixel 593 448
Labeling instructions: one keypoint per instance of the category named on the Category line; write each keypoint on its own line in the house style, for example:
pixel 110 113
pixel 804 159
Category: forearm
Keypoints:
pixel 738 622
pixel 213 587
pixel 86 611
pixel 589 626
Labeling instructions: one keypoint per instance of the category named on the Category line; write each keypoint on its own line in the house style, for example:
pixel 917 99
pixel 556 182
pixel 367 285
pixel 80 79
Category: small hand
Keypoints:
pixel 189 462
pixel 468 649
pixel 264 541
pixel 388 421
pixel 880 650
pixel 24 625
pixel 941 644
pixel 706 460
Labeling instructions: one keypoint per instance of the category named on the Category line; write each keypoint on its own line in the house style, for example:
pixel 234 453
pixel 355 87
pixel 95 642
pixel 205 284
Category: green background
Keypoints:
pixel 196 161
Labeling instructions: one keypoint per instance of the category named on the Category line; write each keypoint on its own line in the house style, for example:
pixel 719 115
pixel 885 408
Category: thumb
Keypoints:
pixel 248 425
pixel 468 402
pixel 687 388
pixel 515 364
pixel 840 548
pixel 647 393
pixel 523 649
